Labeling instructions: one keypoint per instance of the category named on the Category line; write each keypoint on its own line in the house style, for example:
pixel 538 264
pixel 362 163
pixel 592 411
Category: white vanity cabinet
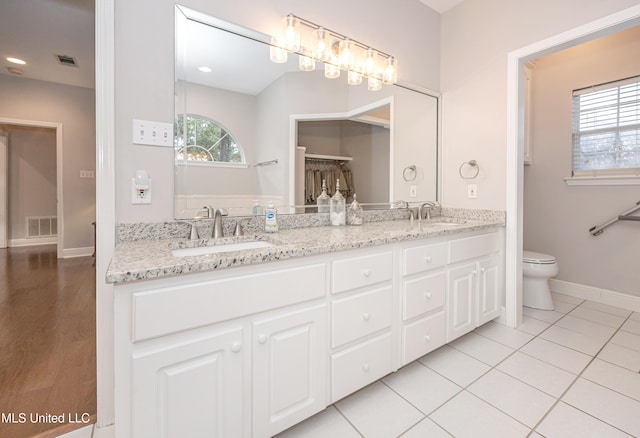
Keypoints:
pixel 240 352
pixel 475 282
pixel 361 319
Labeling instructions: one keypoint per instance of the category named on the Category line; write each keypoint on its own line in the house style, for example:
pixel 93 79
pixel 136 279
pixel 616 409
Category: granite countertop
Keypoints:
pixel 150 259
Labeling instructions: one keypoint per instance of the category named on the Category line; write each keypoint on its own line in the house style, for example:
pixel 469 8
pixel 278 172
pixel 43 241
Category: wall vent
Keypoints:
pixel 67 60
pixel 42 226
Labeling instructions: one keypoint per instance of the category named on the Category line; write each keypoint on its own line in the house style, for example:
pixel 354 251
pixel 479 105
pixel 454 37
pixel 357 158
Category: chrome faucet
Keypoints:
pixel 425 210
pixel 217 223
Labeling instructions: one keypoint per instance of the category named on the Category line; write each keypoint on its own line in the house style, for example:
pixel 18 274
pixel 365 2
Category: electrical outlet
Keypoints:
pixel 152 133
pixel 472 191
pixel 413 191
pixel 140 196
pixel 87 174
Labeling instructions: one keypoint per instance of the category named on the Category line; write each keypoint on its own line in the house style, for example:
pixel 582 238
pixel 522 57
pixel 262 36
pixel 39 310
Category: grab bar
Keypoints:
pixel 624 216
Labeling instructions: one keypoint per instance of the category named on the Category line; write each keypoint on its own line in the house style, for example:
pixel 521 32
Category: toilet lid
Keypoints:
pixel 537 257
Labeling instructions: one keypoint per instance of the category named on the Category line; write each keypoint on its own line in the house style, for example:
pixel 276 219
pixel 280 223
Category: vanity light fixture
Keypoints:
pixel 338 52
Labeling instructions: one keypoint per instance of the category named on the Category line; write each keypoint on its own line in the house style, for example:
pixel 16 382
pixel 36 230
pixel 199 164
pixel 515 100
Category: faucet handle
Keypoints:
pixel 238 230
pixel 193 234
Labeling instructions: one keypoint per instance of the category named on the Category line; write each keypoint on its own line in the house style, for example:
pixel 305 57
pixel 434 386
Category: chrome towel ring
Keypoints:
pixel 409 173
pixel 473 164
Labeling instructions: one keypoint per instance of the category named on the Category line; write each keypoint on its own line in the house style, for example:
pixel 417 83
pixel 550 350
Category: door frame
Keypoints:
pixel 516 61
pixel 59 173
pixel 4 184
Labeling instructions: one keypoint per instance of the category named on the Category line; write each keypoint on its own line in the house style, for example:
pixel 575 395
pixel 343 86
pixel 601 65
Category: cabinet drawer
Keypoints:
pixel 423 294
pixel 424 257
pixel 473 247
pixel 358 366
pixel 172 309
pixel 356 272
pixel 423 336
pixel 360 315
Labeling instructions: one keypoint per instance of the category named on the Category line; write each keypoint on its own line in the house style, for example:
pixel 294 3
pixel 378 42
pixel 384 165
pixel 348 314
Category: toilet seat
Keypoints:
pixel 537 258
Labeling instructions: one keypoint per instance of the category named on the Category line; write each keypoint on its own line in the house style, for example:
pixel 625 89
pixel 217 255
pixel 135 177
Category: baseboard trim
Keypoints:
pixel 34 241
pixel 77 252
pixel 603 296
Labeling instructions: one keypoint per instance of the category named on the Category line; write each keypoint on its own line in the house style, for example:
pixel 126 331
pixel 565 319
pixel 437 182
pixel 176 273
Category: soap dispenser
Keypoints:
pixel 337 209
pixel 355 212
pixel 323 199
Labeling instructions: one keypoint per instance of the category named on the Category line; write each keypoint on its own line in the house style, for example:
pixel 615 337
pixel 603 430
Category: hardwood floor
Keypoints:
pixel 47 342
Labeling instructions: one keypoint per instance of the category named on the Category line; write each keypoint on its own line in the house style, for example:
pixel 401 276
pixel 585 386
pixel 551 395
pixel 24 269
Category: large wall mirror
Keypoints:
pixel 249 130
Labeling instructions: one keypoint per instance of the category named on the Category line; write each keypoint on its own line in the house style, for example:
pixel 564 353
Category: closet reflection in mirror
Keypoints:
pixel 273 110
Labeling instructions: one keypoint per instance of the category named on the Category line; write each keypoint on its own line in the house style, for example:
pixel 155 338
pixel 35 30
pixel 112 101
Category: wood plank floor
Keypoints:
pixel 47 340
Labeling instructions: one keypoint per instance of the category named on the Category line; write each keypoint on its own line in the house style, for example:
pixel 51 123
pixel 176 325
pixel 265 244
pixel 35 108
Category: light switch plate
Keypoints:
pixel 472 191
pixel 152 133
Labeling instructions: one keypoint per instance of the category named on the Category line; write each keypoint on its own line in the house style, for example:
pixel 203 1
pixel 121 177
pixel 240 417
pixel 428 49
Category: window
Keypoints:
pixel 606 129
pixel 204 140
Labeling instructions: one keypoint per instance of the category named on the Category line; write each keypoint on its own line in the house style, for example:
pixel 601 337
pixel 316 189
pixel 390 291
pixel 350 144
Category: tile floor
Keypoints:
pixel 571 372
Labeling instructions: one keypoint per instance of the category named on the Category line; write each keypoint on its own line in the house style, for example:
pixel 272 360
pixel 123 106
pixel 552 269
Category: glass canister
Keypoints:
pixel 337 207
pixel 355 214
pixel 323 199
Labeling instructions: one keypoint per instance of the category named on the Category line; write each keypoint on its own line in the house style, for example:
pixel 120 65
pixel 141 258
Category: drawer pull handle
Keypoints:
pixel 262 339
pixel 236 347
pixel 366 272
pixel 365 367
pixel 427 338
pixel 427 259
pixel 427 295
pixel 366 316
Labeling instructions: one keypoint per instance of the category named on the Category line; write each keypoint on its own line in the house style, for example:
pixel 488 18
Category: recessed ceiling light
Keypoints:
pixel 16 61
pixel 205 69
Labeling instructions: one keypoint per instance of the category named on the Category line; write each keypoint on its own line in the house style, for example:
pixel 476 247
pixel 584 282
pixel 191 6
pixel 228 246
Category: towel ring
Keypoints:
pixel 473 164
pixel 409 173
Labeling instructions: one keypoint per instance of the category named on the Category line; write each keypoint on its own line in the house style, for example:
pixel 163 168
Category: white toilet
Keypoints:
pixel 537 268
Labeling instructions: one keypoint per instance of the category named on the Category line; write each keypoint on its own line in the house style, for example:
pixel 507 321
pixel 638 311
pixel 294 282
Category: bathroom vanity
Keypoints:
pixel 249 343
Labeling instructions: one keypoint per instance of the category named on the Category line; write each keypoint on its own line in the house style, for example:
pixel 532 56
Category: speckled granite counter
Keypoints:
pixel 149 259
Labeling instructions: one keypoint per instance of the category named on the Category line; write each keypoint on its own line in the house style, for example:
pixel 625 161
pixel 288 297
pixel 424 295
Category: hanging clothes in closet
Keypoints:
pixel 317 170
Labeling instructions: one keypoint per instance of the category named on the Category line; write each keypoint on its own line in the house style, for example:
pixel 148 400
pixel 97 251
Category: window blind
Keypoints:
pixel 606 128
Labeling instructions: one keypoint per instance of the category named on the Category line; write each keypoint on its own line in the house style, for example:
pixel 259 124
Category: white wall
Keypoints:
pixel 145 83
pixel 476 37
pixel 557 217
pixel 74 108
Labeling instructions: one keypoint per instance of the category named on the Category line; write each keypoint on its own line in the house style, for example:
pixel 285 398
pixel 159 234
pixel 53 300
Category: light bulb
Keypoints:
pixel 320 43
pixel 277 53
pixel 390 71
pixel 292 36
pixel 306 63
pixel 331 69
pixel 354 77
pixel 346 56
pixel 370 62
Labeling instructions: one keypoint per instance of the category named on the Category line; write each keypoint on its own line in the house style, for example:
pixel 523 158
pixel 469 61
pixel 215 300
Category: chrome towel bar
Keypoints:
pixel 624 216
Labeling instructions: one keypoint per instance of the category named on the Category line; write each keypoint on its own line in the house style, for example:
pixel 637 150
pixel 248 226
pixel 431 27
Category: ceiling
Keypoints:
pixel 38 30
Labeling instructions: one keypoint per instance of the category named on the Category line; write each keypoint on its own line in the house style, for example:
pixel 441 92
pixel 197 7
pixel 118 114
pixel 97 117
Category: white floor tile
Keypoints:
pixel 377 411
pixel 324 424
pixel 593 315
pixel 607 308
pixel 533 326
pixel 505 335
pixel 549 316
pixel 426 428
pixel 586 327
pixel 631 326
pixel 563 307
pixel 483 349
pixel 615 409
pixel 104 432
pixel 622 356
pixel 565 421
pixel 635 316
pixel 519 400
pixel 455 365
pixel 468 416
pixel 539 374
pixel 627 340
pixel 572 339
pixel 614 377
pixel 566 298
pixel 557 355
pixel 422 387
pixel 85 432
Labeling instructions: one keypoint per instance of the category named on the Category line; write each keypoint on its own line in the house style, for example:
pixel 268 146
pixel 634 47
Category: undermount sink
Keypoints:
pixel 215 249
pixel 444 223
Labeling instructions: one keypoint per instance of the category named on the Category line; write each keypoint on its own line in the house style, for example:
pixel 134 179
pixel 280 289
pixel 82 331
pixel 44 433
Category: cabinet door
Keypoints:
pixel 489 289
pixel 189 389
pixel 461 303
pixel 289 369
